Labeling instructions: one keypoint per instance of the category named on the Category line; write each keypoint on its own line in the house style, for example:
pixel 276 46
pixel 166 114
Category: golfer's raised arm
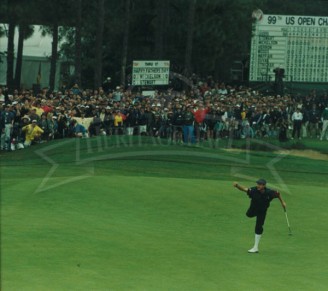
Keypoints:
pixel 240 187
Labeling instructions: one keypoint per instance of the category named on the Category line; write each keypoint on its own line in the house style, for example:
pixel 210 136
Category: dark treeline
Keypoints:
pixel 104 36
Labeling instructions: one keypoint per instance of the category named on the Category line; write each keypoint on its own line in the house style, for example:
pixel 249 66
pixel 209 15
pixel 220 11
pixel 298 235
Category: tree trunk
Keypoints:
pixel 190 35
pixel 10 57
pixel 19 60
pixel 99 44
pixel 78 49
pixel 159 30
pixel 162 11
pixel 125 42
pixel 54 56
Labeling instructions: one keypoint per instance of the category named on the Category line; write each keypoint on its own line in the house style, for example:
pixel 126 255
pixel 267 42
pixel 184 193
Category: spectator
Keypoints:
pixel 33 114
pixel 2 97
pixel 188 125
pixel 25 120
pixel 62 122
pixel 75 89
pixel 219 126
pixel 155 125
pixel 283 127
pixel 169 125
pixel 37 109
pixel 95 126
pixel 32 133
pixel 119 118
pixel 52 125
pixel 228 110
pixel 7 121
pixel 83 120
pixel 142 122
pixel 44 124
pixel 200 115
pixel 247 131
pixel 324 118
pixel 314 118
pixel 78 129
pixel 117 95
pixel 210 120
pixel 297 118
pixel 108 121
pixel 177 122
pixel 131 120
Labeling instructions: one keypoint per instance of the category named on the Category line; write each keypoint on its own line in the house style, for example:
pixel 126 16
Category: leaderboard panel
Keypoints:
pixel 298 44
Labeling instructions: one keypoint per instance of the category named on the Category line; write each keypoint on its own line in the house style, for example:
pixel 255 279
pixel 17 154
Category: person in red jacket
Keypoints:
pixel 199 114
pixel 46 108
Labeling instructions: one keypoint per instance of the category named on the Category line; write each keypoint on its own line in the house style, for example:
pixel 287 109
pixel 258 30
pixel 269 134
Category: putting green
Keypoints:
pixel 158 221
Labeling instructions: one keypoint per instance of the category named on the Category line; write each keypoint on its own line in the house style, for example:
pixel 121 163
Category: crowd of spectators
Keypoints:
pixel 207 111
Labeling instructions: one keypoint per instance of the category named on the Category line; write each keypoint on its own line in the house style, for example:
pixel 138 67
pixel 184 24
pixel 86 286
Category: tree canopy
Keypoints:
pixel 220 33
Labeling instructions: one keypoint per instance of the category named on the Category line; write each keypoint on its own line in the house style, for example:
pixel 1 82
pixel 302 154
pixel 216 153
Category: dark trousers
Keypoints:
pixel 297 128
pixel 260 218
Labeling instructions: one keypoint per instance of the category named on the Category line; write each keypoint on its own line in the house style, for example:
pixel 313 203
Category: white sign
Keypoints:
pixel 298 44
pixel 150 73
pixel 149 94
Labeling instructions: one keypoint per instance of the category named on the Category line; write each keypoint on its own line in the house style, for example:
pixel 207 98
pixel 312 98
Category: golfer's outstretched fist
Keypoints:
pixel 283 204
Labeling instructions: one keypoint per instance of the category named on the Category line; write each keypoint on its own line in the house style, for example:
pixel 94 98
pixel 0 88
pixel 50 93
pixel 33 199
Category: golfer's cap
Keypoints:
pixel 34 121
pixel 261 182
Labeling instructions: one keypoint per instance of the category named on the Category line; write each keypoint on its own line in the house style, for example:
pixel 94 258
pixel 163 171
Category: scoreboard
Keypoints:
pixel 298 44
pixel 150 73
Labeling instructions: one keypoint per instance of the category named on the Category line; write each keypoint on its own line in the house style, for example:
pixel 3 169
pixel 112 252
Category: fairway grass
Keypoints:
pixel 158 221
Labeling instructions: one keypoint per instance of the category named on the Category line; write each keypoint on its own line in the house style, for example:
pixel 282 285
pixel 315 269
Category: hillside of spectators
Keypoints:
pixel 210 110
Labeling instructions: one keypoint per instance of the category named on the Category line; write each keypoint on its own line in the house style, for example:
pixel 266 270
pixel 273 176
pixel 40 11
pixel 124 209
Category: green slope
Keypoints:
pixel 77 216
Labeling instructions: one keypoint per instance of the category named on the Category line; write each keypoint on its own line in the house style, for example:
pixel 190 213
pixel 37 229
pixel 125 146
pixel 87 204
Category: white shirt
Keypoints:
pixel 297 116
pixel 224 116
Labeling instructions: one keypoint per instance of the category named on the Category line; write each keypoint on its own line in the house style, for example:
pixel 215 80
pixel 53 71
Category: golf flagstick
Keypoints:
pixel 290 231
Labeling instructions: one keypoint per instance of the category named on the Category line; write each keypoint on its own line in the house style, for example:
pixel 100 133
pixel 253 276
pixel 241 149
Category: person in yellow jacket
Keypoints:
pixel 32 132
pixel 118 122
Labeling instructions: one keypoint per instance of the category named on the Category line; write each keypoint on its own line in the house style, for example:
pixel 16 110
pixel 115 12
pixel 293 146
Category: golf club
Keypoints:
pixel 290 231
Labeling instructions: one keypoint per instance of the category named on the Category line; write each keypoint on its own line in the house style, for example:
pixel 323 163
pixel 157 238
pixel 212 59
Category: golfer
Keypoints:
pixel 260 201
